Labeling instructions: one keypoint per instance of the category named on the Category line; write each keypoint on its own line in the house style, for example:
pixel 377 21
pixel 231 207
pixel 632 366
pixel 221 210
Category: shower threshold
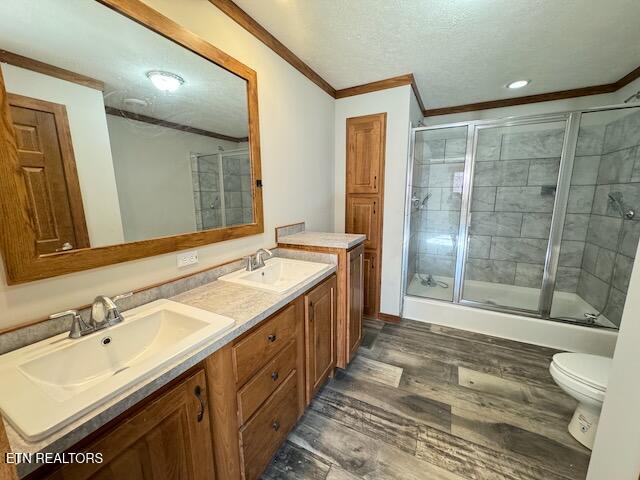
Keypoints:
pixel 567 307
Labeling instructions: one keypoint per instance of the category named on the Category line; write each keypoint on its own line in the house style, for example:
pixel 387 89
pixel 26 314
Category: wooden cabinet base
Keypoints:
pixel 257 394
pixel 169 438
pixel 350 290
pixel 320 335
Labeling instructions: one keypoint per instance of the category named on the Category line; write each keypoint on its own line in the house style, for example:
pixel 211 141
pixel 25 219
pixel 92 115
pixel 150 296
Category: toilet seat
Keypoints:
pixel 583 373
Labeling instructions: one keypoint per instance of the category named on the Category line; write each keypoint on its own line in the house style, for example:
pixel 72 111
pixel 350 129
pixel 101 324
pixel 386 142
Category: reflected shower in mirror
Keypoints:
pixel 122 136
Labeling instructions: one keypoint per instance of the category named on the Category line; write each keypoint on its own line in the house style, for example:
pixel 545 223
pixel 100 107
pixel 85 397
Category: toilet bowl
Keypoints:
pixel 584 377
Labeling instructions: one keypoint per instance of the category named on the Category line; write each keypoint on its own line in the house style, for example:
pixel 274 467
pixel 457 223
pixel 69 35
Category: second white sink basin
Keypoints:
pixel 279 275
pixel 48 384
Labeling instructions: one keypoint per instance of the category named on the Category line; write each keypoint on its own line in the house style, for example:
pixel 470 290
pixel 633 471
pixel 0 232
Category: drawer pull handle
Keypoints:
pixel 274 376
pixel 275 425
pixel 198 393
pixel 311 312
pixel 272 337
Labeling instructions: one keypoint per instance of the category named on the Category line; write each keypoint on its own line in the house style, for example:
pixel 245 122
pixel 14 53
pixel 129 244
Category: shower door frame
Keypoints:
pixel 563 183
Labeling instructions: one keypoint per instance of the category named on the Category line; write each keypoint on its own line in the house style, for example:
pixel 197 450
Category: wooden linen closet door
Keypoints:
pixel 365 197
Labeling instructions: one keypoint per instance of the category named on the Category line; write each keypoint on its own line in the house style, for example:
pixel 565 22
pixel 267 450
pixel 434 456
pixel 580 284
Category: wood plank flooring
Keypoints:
pixel 423 401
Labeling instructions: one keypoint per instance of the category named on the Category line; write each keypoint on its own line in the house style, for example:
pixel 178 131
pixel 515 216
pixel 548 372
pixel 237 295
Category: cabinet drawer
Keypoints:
pixel 251 353
pixel 261 437
pixel 256 391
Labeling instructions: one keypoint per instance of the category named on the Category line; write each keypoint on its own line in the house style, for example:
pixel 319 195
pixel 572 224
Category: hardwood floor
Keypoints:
pixel 423 401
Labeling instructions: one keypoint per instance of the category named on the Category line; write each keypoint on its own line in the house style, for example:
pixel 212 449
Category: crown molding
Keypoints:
pixel 252 26
pixel 51 70
pixel 541 97
pixel 243 19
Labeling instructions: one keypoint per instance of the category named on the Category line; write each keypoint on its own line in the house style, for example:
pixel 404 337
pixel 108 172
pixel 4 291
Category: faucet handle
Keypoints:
pixel 78 325
pixel 121 296
pixel 66 313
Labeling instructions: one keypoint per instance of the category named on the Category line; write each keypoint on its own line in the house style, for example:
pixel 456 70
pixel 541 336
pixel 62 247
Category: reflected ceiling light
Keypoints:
pixel 165 81
pixel 135 102
pixel 518 84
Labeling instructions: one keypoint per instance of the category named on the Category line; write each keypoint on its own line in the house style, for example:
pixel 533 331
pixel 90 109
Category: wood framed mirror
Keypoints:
pixel 122 136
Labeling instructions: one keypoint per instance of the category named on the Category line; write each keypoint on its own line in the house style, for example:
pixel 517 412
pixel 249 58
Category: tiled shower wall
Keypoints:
pixel 436 219
pixel 512 204
pixel 237 189
pixel 511 208
pixel 618 170
pixel 206 195
pixel 236 171
pixel 512 201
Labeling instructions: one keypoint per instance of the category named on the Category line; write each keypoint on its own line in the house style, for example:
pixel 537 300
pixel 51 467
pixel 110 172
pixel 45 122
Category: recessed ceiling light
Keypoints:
pixel 165 81
pixel 518 84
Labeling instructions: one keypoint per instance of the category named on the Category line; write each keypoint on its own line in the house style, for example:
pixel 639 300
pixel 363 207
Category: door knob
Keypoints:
pixel 65 246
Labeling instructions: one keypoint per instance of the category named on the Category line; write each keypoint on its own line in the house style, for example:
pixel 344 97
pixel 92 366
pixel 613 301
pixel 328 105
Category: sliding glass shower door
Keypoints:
pixel 436 201
pixel 513 184
pixel 538 216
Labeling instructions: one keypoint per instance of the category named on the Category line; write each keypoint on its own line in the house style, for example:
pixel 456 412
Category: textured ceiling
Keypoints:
pixel 88 38
pixel 460 51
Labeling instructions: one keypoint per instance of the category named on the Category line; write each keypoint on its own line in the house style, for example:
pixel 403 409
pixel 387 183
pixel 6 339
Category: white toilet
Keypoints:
pixel 584 377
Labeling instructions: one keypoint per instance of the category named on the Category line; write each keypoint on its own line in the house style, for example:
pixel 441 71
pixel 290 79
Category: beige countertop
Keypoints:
pixel 247 306
pixel 324 239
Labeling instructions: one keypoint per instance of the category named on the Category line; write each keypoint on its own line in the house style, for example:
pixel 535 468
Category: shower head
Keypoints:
pixel 426 199
pixel 617 199
pixel 635 97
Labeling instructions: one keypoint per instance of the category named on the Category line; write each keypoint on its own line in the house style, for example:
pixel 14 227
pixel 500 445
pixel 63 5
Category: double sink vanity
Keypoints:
pixel 152 150
pixel 214 377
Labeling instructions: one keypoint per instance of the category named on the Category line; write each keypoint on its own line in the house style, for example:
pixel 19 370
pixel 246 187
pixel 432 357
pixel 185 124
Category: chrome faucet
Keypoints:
pixel 253 262
pixel 104 313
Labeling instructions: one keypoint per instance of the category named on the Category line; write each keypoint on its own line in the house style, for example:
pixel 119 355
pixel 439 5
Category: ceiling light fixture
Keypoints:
pixel 165 81
pixel 518 84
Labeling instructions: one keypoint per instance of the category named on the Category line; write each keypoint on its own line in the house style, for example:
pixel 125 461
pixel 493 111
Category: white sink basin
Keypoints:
pixel 279 275
pixel 47 385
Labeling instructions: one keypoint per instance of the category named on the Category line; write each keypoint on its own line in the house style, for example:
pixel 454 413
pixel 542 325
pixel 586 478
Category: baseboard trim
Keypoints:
pixel 561 336
pixel 387 317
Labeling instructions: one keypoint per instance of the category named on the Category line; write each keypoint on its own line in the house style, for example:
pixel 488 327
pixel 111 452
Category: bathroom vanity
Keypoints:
pixel 229 410
pixel 203 375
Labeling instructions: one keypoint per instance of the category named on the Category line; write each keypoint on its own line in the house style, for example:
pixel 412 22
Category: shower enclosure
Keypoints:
pixel 537 216
pixel 222 189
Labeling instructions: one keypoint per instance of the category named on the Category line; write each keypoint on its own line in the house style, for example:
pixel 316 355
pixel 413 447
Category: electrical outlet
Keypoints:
pixel 187 258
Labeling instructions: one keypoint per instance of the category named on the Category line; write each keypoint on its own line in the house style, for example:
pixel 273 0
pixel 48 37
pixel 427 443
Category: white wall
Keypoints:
pixel 153 174
pixel 296 132
pixel 87 122
pixel 615 453
pixel 396 102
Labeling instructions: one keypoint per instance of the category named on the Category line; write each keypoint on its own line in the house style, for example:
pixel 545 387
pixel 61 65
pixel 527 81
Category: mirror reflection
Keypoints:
pixel 121 137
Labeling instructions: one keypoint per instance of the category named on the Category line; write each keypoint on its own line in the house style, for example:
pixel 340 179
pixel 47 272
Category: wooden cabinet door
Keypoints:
pixel 169 439
pixel 355 299
pixel 7 470
pixel 363 216
pixel 45 155
pixel 320 326
pixel 370 283
pixel 365 153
